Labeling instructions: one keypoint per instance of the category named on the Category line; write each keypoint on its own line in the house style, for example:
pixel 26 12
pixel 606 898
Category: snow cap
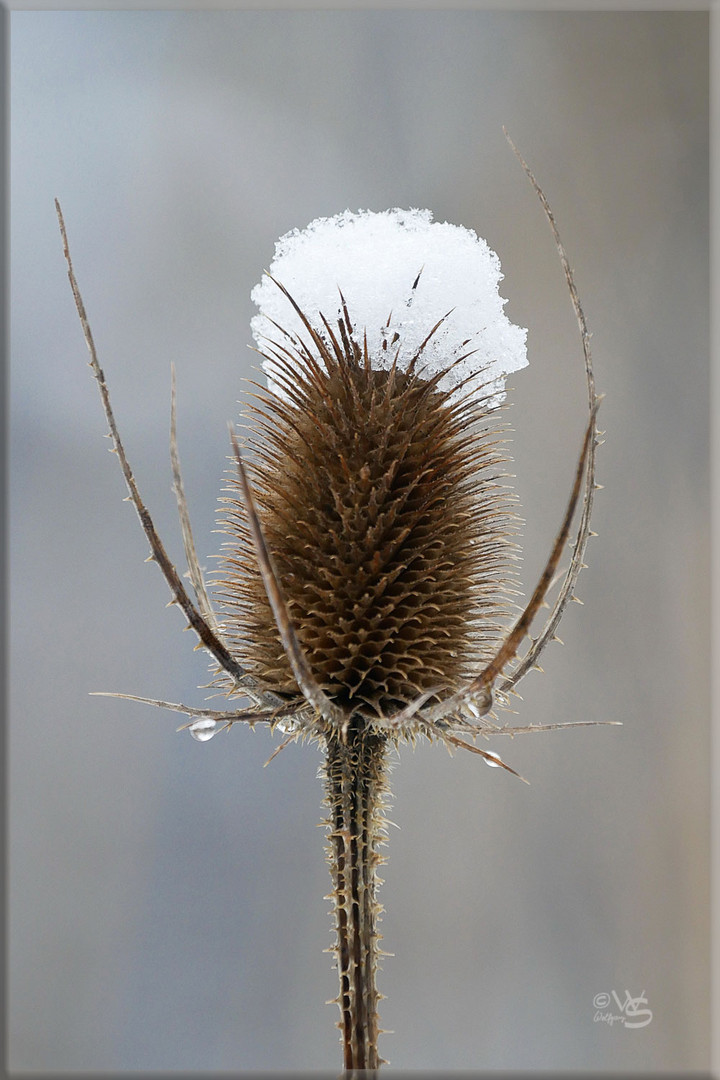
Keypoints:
pixel 374 260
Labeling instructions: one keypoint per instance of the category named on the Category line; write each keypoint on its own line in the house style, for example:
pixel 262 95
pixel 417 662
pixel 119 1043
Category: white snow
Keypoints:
pixel 374 258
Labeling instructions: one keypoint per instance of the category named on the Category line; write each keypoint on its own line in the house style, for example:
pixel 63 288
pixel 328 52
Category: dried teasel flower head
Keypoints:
pixel 378 465
pixel 369 565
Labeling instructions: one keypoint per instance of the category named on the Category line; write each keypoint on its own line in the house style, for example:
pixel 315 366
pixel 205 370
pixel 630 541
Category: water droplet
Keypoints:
pixel 496 764
pixel 203 730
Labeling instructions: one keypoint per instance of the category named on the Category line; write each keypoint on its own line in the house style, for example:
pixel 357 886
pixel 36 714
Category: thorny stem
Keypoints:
pixel 354 792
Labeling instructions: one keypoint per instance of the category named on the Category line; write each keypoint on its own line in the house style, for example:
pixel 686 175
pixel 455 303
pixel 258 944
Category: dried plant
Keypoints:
pixel 366 582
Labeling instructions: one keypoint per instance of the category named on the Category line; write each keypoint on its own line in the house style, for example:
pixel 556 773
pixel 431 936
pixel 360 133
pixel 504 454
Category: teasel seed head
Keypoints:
pixel 379 480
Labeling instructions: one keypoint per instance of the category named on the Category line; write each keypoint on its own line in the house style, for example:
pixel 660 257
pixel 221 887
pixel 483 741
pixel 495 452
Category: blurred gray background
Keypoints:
pixel 166 897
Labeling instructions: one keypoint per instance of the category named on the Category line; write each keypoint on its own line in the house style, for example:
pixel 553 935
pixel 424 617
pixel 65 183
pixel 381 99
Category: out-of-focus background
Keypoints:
pixel 166 897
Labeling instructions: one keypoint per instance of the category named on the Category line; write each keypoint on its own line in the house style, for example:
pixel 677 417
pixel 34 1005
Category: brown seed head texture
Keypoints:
pixel 382 503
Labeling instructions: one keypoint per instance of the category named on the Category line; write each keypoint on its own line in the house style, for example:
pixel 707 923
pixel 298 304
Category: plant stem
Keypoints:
pixel 355 790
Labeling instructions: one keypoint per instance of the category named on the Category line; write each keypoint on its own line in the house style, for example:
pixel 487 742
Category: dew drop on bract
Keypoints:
pixel 490 754
pixel 203 730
